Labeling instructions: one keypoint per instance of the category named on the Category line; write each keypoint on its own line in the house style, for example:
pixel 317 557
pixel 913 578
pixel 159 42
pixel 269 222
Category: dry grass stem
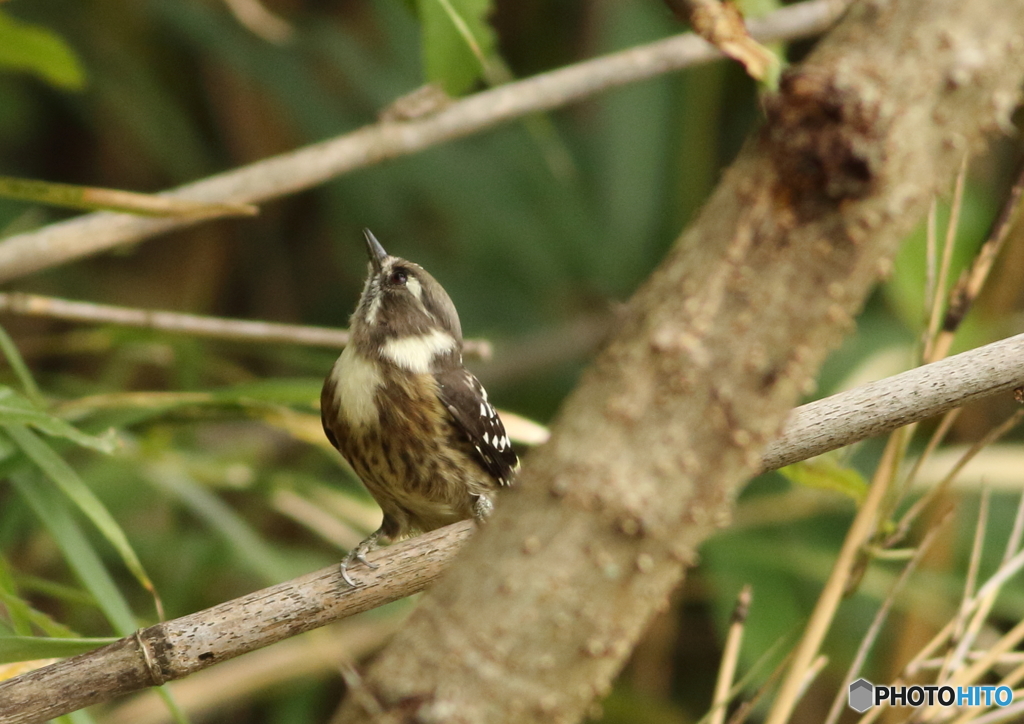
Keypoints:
pixel 970 284
pixel 747 706
pixel 828 602
pixel 930 257
pixel 903 526
pixel 812 672
pixel 973 672
pixel 961 628
pixel 931 350
pixel 1007 714
pixel 730 657
pixel 1014 658
pixel 990 437
pixel 881 615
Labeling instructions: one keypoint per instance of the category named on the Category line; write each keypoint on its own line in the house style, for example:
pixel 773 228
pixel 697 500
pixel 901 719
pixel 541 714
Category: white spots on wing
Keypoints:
pixel 416 353
pixel 487 439
pixel 475 384
pixel 355 386
pixel 483 410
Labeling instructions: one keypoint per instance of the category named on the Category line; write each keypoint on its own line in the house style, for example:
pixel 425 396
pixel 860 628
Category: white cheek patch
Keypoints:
pixel 355 384
pixel 417 352
pixel 415 288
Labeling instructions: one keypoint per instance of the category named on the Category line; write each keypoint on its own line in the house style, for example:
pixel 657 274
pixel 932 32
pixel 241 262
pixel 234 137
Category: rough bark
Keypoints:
pixel 649 451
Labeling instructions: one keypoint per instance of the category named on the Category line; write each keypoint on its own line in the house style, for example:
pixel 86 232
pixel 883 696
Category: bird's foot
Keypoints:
pixel 482 509
pixel 359 554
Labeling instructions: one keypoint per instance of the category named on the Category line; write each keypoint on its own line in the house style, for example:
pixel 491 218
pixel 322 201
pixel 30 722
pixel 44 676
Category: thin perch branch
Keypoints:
pixel 242 330
pixel 883 406
pixel 312 165
pixel 191 643
pixel 174 649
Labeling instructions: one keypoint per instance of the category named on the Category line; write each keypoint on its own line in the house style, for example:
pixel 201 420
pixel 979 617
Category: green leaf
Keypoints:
pixel 825 473
pixel 17 363
pixel 170 475
pixel 19 613
pixel 83 717
pixel 457 41
pixel 55 468
pixel 52 509
pixel 30 648
pixel 36 50
pixel 52 589
pixel 15 409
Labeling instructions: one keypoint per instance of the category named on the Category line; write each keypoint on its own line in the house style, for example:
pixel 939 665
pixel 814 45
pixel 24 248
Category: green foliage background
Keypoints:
pixel 215 480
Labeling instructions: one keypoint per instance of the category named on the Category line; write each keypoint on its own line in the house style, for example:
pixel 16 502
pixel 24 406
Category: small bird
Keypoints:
pixel 410 419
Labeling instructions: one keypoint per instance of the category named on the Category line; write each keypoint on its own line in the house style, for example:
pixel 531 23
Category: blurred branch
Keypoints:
pixel 242 330
pixel 186 645
pixel 92 198
pixel 260 21
pixel 721 24
pixel 307 167
pixel 573 340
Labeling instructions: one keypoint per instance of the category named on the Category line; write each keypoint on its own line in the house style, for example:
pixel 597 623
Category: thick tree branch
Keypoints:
pixel 307 167
pixel 320 598
pixel 649 451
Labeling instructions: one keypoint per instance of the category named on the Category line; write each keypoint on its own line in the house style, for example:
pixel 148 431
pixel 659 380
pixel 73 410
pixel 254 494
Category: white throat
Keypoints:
pixel 417 352
pixel 355 383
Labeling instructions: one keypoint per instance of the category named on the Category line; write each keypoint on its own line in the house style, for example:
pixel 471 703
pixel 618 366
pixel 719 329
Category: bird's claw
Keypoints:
pixel 482 508
pixel 345 577
pixel 362 559
pixel 358 554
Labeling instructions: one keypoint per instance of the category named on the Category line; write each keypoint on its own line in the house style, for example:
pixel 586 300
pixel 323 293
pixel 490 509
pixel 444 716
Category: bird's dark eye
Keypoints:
pixel 398 277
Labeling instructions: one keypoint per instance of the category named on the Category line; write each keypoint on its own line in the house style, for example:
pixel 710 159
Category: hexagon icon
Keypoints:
pixel 862 695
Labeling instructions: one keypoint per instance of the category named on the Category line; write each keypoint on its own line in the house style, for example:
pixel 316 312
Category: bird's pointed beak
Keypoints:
pixel 374 250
